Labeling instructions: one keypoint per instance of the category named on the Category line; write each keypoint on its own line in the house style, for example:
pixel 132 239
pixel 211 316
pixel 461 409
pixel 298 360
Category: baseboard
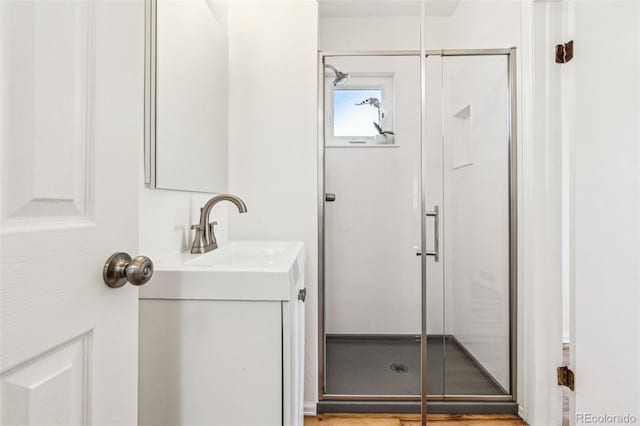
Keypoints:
pixel 310 408
pixel 521 412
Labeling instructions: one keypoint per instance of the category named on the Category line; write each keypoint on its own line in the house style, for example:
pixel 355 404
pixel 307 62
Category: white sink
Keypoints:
pixel 237 270
pixel 266 255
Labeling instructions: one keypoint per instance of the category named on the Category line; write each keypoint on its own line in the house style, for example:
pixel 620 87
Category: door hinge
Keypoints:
pixel 564 52
pixel 566 377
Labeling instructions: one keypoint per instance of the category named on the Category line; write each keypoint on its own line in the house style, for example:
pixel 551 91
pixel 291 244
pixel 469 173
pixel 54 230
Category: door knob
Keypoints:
pixel 120 269
pixel 329 197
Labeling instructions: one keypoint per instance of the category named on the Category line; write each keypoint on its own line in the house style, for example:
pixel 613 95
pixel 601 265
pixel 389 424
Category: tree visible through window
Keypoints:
pixel 350 119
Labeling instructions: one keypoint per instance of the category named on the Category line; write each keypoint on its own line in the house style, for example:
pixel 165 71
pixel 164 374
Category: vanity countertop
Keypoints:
pixel 237 270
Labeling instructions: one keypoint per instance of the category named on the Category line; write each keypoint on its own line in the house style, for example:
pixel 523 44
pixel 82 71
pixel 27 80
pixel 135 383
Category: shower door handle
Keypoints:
pixel 435 213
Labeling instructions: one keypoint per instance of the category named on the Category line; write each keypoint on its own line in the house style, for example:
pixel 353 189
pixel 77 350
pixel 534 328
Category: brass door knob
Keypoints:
pixel 120 269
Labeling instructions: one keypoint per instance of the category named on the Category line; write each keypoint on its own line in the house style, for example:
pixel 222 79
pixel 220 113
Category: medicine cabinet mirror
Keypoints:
pixel 186 96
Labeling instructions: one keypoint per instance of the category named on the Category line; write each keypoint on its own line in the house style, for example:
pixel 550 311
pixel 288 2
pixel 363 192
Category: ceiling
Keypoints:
pixel 384 8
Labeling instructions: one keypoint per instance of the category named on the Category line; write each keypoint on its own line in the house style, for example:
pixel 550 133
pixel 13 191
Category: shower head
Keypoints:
pixel 341 77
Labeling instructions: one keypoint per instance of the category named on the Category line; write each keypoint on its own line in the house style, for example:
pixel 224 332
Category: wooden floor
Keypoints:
pixel 413 420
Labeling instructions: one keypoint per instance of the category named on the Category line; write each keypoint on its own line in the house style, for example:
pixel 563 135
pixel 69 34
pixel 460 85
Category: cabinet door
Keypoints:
pixel 293 349
pixel 210 363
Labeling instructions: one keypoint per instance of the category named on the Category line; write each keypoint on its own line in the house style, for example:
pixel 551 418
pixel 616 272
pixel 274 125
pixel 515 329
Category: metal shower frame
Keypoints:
pixel 513 230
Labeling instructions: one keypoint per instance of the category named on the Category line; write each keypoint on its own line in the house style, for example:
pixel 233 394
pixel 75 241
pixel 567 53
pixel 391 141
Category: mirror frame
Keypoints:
pixel 150 79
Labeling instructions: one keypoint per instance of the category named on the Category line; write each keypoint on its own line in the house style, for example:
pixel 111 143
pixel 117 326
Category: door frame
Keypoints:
pixel 513 227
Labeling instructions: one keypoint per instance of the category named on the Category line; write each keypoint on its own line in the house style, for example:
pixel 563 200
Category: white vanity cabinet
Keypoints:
pixel 216 349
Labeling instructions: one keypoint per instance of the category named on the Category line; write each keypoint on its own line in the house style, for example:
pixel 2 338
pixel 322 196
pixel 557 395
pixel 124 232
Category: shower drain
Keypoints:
pixel 399 368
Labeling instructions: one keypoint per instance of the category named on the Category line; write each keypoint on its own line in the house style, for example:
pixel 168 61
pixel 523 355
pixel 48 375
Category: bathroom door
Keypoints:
pixel 72 134
pixel 602 105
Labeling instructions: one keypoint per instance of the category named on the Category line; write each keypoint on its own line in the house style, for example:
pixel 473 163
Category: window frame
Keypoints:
pixel 383 82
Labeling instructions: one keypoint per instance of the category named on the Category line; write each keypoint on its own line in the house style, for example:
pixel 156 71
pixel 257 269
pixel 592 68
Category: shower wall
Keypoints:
pixel 475 206
pixel 470 25
pixel 372 275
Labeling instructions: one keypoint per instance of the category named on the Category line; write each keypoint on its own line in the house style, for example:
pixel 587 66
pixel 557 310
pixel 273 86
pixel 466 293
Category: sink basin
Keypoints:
pixel 266 255
pixel 237 270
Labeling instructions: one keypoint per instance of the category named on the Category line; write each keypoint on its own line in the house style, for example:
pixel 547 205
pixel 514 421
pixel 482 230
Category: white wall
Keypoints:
pixel 541 191
pixel 370 33
pixel 166 218
pixel 273 135
pixel 476 24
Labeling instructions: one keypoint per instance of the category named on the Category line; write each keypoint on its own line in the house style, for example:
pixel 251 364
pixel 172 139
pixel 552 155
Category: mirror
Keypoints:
pixel 186 96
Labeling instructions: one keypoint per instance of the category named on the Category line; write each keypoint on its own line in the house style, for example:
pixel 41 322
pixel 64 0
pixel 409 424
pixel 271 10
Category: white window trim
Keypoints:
pixel 383 82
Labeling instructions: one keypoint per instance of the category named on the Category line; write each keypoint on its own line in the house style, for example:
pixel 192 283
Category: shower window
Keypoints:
pixel 351 116
pixel 362 111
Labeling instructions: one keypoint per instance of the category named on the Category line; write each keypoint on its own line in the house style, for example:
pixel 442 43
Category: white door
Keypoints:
pixel 604 112
pixel 72 128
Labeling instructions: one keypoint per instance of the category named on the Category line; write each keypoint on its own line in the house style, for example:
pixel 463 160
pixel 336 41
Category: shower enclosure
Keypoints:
pixel 417 231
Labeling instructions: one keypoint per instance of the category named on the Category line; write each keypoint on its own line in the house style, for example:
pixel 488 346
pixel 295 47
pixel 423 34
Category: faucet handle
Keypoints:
pixel 197 226
pixel 211 225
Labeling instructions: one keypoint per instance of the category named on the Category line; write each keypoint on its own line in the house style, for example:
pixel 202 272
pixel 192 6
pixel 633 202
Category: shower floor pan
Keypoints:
pixel 390 365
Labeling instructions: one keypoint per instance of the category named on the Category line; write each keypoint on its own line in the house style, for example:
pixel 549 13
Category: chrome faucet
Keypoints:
pixel 205 238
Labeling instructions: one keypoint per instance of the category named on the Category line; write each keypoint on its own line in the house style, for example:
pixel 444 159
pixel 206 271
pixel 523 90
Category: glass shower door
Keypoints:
pixel 377 172
pixel 372 276
pixel 468 191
